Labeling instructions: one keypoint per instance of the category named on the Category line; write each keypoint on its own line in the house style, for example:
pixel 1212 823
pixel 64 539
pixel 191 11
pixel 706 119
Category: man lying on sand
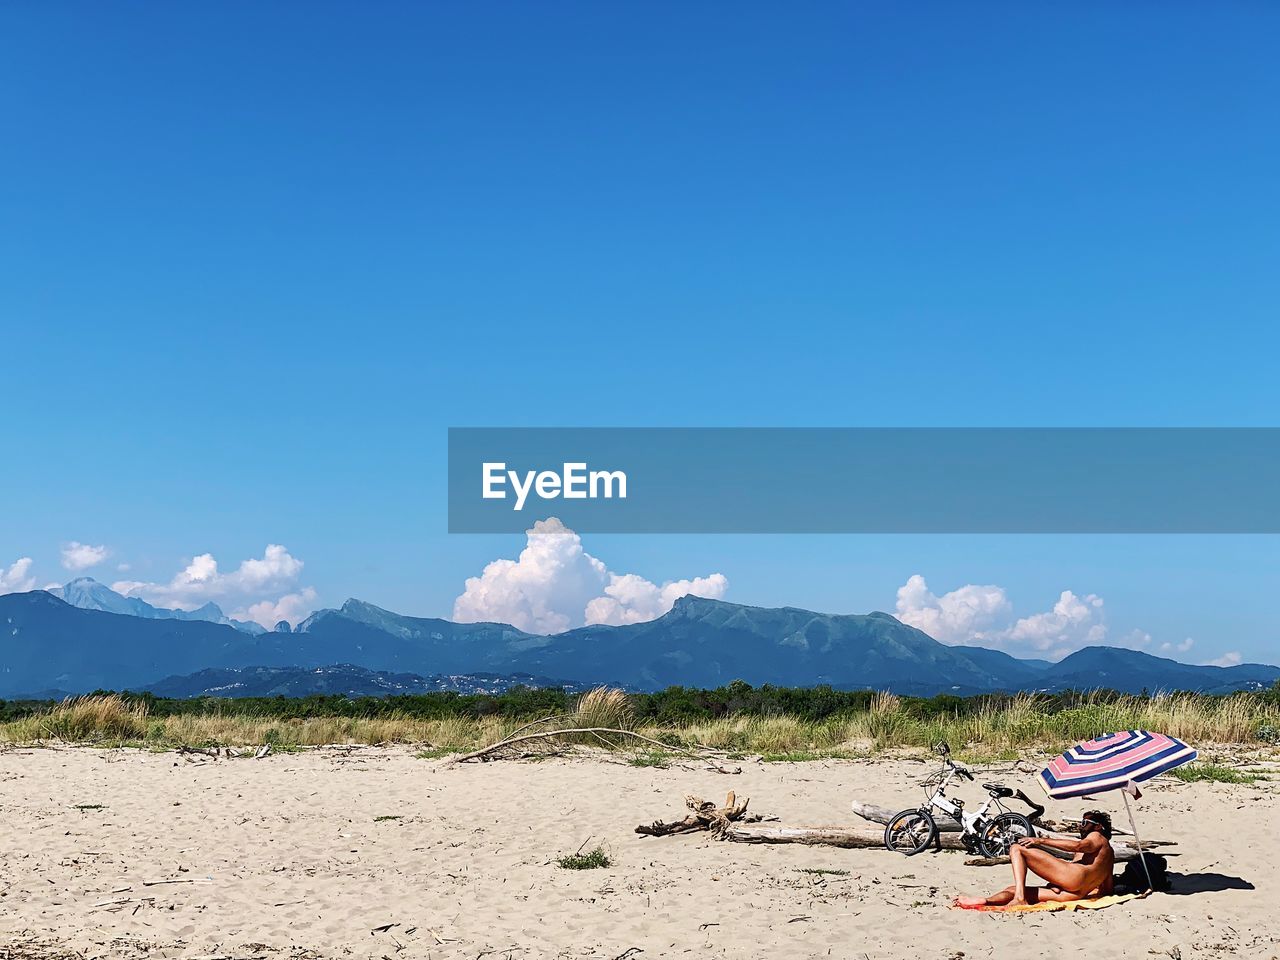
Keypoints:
pixel 1087 874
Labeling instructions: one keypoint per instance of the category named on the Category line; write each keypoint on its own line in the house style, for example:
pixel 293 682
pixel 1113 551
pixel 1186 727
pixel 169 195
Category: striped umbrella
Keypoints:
pixel 1115 761
pixel 1112 761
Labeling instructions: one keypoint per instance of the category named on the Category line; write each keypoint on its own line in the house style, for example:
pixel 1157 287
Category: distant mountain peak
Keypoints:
pixel 88 594
pixel 691 605
pixel 351 606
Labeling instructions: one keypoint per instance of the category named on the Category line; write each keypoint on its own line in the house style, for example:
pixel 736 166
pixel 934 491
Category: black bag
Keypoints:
pixel 1135 878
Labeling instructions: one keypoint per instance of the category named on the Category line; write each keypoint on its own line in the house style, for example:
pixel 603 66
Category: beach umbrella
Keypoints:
pixel 1115 761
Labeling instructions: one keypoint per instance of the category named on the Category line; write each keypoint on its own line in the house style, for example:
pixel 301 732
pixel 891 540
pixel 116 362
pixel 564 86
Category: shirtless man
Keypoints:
pixel 1087 874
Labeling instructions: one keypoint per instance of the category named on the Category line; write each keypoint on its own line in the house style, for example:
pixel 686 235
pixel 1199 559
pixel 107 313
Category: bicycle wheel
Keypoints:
pixel 1002 832
pixel 909 832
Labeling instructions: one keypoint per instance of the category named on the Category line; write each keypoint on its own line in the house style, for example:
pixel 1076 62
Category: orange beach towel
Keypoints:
pixel 1048 906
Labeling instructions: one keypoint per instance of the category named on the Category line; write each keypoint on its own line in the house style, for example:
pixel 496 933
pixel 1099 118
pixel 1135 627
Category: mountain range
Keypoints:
pixel 88 594
pixel 74 643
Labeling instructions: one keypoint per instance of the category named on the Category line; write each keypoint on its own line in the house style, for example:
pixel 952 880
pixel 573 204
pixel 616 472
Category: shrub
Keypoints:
pixel 96 718
pixel 593 860
pixel 1212 773
pixel 604 707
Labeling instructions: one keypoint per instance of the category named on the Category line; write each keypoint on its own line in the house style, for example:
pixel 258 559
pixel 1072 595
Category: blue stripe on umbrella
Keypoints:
pixel 1083 778
pixel 1143 766
pixel 1137 737
pixel 1079 762
pixel 1081 748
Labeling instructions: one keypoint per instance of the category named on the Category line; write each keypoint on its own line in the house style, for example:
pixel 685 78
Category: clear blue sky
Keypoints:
pixel 255 258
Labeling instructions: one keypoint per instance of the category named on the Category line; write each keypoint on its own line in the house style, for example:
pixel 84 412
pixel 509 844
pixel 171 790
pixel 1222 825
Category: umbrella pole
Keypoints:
pixel 1137 841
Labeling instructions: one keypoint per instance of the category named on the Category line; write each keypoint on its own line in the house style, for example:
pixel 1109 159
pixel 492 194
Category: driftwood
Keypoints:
pixel 862 837
pixel 882 815
pixel 214 752
pixel 491 751
pixel 703 815
pixel 850 837
pixel 730 822
pixel 878 814
pixel 519 744
pixel 229 753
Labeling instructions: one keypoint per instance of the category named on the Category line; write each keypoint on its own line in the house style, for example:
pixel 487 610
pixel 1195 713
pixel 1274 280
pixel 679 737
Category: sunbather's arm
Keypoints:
pixel 1087 845
pixel 1054 843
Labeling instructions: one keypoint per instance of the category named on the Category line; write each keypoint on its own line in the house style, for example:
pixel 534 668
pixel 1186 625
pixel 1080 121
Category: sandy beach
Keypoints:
pixel 126 853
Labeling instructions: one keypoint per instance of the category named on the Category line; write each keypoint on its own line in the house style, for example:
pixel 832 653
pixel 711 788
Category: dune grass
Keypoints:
pixel 1213 773
pixel 604 707
pixel 991 731
pixel 591 860
pixel 79 719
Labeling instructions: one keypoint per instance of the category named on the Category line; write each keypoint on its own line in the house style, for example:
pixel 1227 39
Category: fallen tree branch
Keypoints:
pixel 488 752
pixel 875 813
pixel 703 815
pixel 882 815
pixel 828 836
pixel 865 838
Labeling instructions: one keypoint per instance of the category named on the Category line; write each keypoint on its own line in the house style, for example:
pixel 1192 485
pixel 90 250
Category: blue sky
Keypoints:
pixel 256 259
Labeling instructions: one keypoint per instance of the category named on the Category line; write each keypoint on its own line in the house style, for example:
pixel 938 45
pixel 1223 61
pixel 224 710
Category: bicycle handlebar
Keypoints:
pixel 963 771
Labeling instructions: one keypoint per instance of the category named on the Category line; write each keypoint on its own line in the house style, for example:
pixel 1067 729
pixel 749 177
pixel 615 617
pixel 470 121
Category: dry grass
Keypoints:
pixel 78 719
pixel 889 723
pixel 1022 723
pixel 604 707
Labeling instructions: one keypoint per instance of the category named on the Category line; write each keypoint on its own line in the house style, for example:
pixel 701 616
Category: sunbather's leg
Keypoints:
pixel 1063 876
pixel 1018 857
pixel 1053 893
pixel 1067 877
pixel 995 900
pixel 1004 897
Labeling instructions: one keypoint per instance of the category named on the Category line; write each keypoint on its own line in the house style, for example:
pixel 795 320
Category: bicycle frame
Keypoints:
pixel 970 820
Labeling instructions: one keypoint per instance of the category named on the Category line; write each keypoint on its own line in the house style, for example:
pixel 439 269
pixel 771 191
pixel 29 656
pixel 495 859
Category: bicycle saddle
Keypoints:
pixel 997 789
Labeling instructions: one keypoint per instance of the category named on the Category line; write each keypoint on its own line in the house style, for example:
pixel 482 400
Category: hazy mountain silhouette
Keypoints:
pixel 48 644
pixel 88 594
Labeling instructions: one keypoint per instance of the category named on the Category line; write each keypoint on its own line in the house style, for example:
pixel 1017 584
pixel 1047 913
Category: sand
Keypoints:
pixel 285 857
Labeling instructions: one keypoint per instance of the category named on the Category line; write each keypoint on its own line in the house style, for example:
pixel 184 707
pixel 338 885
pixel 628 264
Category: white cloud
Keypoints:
pixel 1182 647
pixel 956 617
pixel 80 556
pixel 1073 622
pixel 983 615
pixel 633 599
pixel 264 590
pixel 1138 640
pixel 17 579
pixel 1229 659
pixel 292 607
pixel 555 585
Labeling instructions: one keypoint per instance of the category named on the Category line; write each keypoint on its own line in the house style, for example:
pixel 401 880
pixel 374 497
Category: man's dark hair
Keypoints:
pixel 1100 818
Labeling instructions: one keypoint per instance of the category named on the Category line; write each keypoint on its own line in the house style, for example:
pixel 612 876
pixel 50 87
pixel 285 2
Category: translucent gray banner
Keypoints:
pixel 866 480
